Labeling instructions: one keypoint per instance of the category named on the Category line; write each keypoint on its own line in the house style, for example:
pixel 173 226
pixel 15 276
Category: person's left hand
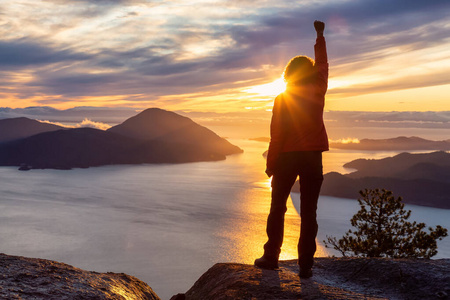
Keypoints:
pixel 319 26
pixel 269 172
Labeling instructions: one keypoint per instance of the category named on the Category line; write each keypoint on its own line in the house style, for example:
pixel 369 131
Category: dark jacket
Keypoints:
pixel 297 114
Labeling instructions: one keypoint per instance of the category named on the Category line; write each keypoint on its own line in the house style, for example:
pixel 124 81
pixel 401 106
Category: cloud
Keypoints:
pixel 345 141
pixel 55 123
pixel 407 82
pixel 164 48
pixel 405 119
pixel 27 52
pixel 100 2
pixel 92 124
pixel 36 112
pixel 71 117
pixel 85 123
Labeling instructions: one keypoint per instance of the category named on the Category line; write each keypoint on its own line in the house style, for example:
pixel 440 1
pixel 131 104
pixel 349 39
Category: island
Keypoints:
pixel 152 136
pixel 420 179
pixel 400 143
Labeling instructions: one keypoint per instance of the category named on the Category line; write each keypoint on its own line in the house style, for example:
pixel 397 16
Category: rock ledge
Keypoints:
pixel 334 278
pixel 33 278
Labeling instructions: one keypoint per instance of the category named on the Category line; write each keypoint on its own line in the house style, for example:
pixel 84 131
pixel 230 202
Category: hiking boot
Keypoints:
pixel 305 273
pixel 266 263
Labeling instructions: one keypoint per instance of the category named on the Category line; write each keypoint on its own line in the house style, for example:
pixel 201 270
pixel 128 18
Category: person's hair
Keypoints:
pixel 300 70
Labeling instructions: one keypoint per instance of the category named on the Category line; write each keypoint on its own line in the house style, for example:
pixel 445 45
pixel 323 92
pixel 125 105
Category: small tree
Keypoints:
pixel 382 230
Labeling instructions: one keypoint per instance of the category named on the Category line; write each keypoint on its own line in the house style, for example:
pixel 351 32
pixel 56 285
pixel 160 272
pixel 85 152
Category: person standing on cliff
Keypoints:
pixel 298 138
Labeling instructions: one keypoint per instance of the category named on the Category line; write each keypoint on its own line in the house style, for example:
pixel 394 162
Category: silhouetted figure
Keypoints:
pixel 298 138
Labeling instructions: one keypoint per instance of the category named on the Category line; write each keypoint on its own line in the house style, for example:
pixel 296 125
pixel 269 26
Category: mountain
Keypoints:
pixel 19 128
pixel 420 179
pixel 151 123
pixel 394 144
pixel 170 139
pixel 402 165
pixel 419 191
pixel 65 149
pixel 168 127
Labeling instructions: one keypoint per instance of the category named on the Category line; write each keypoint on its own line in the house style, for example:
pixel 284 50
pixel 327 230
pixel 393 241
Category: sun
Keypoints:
pixel 268 89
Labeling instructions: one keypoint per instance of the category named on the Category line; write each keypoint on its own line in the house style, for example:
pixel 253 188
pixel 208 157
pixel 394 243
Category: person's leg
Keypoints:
pixel 282 182
pixel 311 178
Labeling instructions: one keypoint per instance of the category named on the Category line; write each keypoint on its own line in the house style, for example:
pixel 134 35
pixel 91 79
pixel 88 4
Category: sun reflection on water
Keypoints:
pixel 247 235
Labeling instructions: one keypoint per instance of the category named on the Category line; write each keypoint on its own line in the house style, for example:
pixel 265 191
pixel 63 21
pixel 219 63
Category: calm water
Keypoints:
pixel 165 224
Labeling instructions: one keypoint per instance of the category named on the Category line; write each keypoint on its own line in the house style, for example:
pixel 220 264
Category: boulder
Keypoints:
pixel 33 278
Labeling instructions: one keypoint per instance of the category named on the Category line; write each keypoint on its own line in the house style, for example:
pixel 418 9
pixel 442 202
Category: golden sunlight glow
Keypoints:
pixel 267 183
pixel 268 89
pixel 346 141
pixel 398 100
pixel 202 48
pixel 122 291
pixel 248 235
pixel 335 83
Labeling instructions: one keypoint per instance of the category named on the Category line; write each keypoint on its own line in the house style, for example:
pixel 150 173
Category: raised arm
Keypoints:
pixel 321 59
pixel 319 26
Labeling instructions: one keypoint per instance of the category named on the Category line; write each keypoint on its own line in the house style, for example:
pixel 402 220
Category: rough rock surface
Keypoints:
pixel 32 278
pixel 334 278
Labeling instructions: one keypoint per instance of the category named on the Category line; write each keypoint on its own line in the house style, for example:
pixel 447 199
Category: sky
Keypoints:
pixel 221 56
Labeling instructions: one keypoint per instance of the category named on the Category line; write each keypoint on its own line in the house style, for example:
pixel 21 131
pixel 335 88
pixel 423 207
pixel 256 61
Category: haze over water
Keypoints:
pixel 165 224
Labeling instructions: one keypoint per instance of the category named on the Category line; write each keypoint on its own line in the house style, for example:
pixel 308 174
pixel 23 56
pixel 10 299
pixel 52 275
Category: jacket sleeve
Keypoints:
pixel 276 135
pixel 321 64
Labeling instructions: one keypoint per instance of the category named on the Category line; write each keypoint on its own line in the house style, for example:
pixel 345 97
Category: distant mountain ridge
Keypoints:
pixel 421 179
pixel 152 136
pixel 400 166
pixel 18 128
pixel 400 143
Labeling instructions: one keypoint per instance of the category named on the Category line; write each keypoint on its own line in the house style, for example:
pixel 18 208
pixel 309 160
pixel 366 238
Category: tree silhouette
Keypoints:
pixel 382 230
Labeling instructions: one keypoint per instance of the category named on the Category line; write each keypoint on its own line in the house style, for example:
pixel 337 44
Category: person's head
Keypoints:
pixel 299 71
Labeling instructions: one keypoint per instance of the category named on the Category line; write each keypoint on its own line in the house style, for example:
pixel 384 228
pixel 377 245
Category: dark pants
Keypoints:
pixel 307 165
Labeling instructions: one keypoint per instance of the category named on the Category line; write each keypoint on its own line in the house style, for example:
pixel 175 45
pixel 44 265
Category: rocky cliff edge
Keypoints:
pixel 334 278
pixel 32 278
